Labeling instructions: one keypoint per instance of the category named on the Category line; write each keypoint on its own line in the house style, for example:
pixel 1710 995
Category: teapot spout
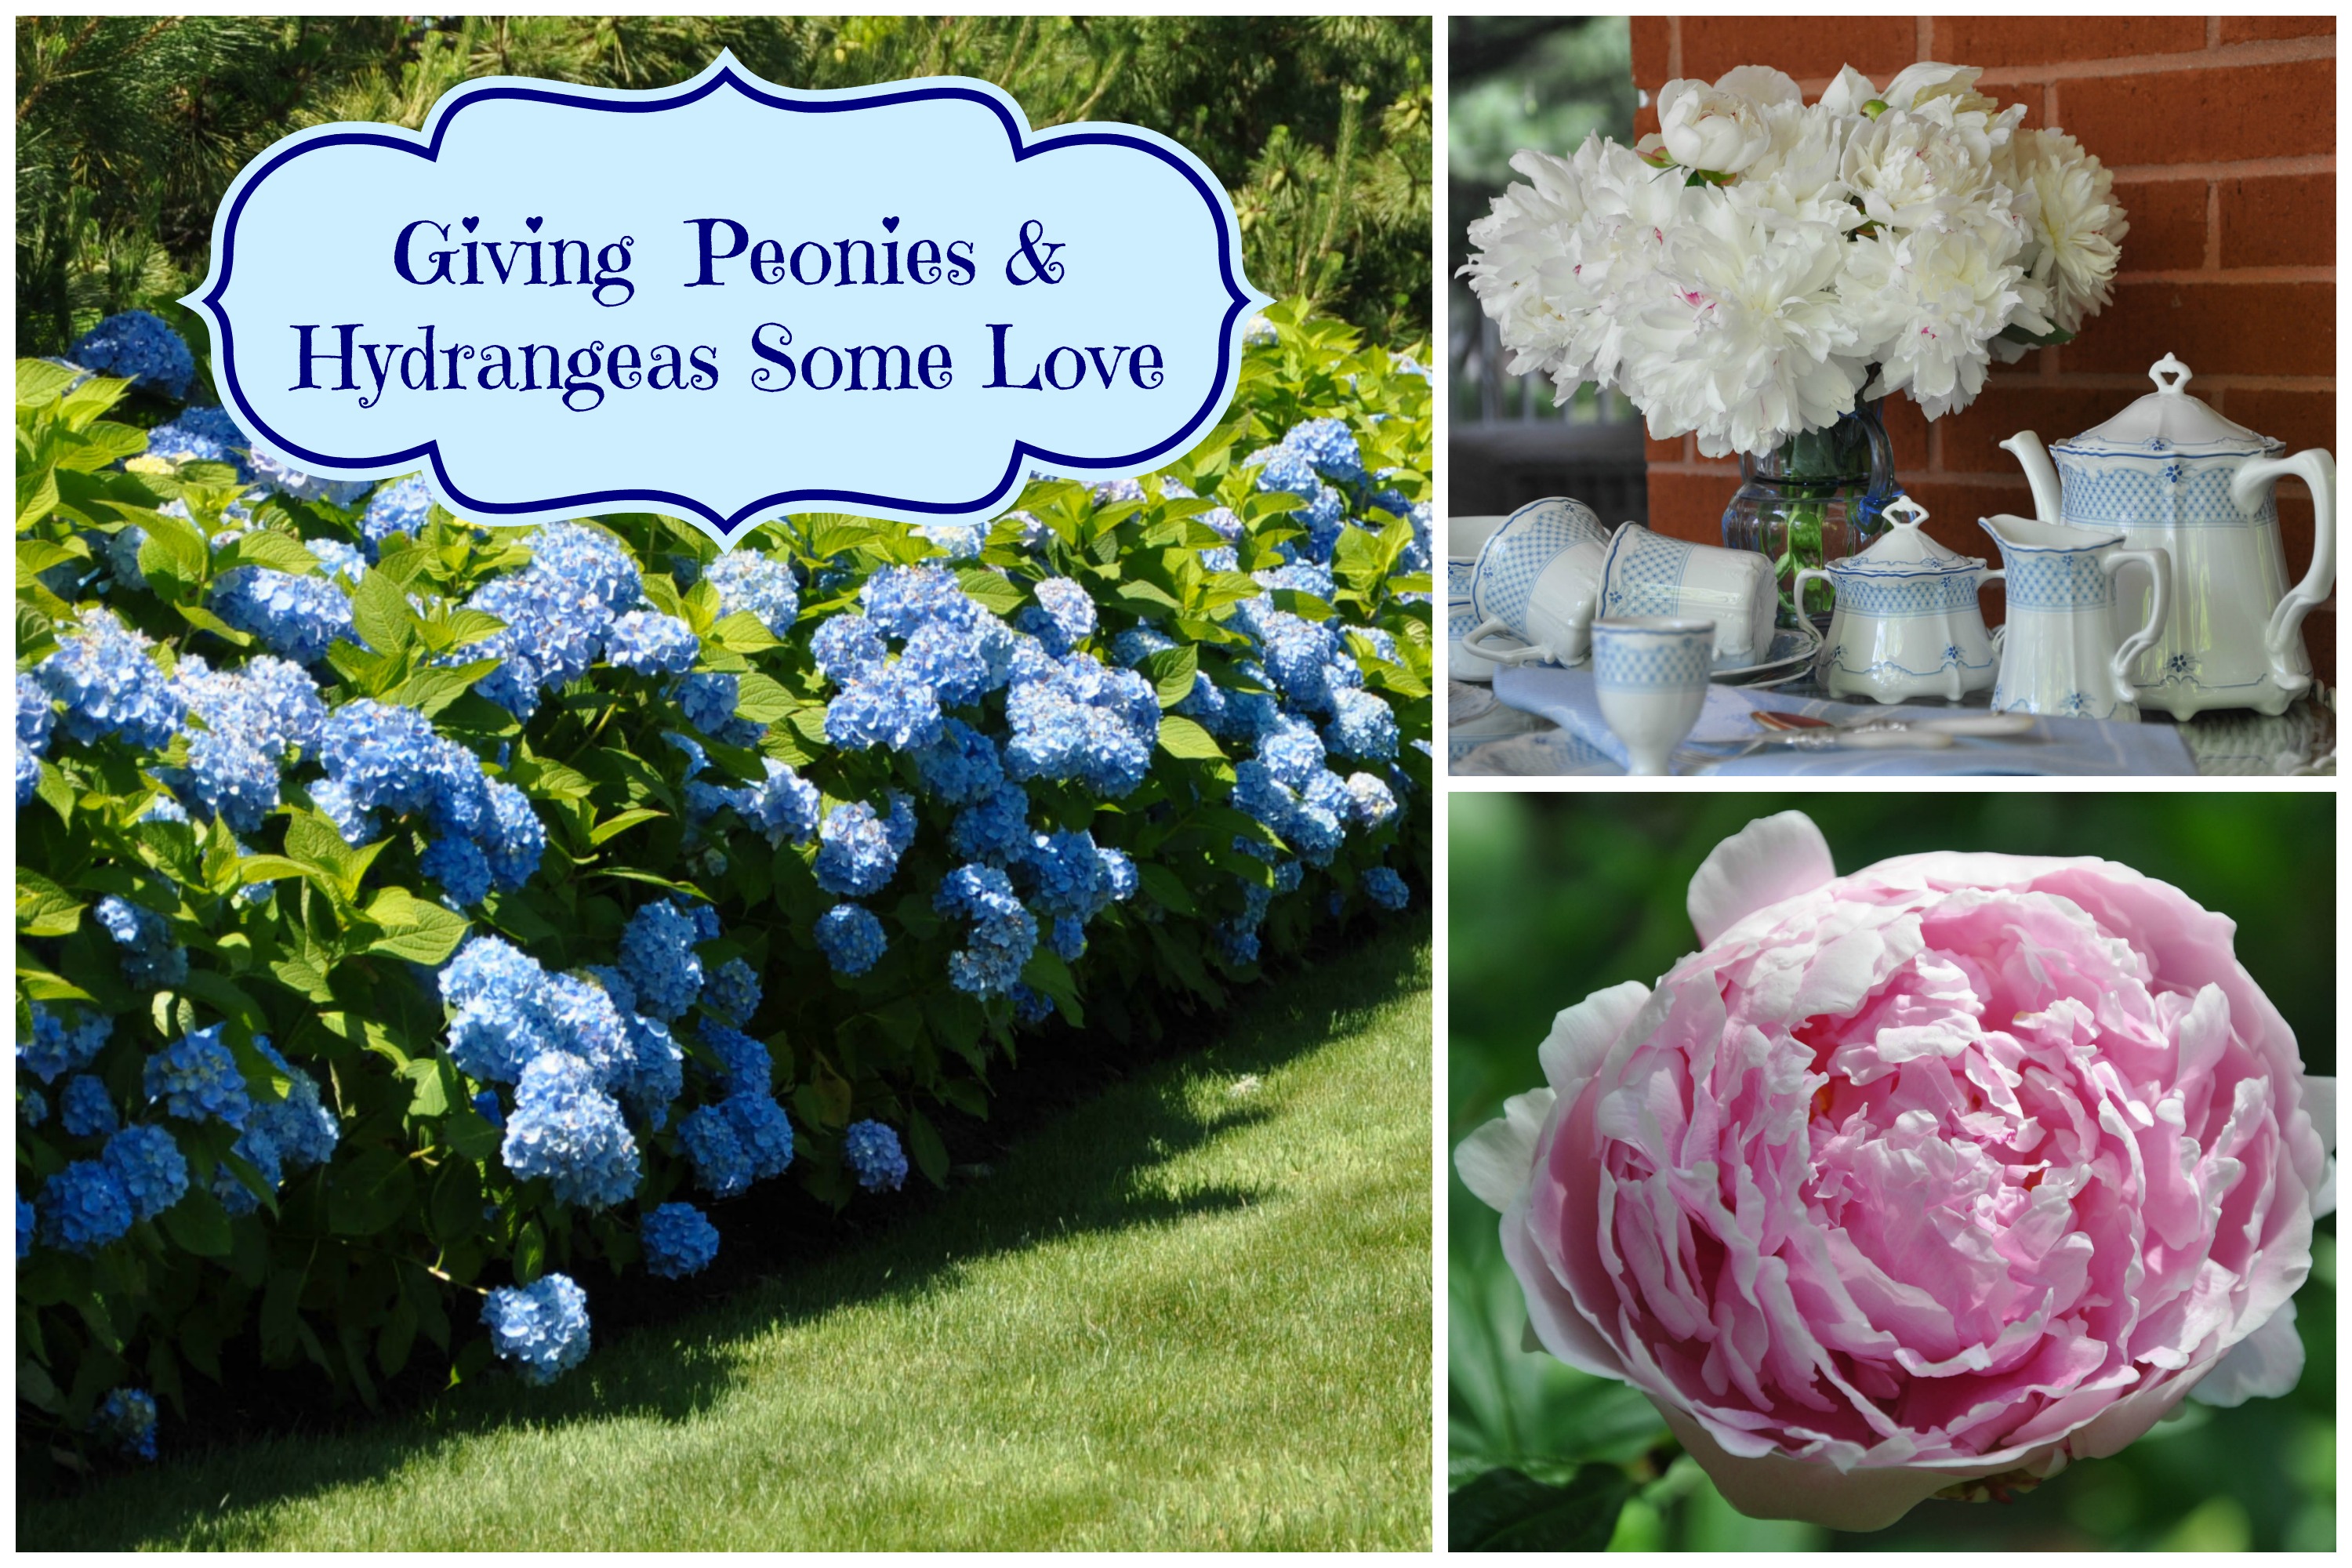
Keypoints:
pixel 2026 447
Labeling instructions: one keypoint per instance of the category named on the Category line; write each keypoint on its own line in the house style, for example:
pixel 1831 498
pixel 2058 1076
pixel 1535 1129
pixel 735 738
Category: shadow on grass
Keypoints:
pixel 1096 1169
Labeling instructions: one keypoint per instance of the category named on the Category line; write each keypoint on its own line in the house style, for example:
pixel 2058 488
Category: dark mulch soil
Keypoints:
pixel 773 1229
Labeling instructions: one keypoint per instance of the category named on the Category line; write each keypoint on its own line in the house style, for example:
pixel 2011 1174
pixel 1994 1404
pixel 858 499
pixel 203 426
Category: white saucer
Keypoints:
pixel 1791 654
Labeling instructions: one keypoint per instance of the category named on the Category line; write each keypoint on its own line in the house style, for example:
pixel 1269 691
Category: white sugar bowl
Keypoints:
pixel 1906 624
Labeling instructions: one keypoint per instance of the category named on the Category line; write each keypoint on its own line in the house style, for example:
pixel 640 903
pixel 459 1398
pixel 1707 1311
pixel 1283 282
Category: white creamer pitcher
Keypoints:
pixel 2059 654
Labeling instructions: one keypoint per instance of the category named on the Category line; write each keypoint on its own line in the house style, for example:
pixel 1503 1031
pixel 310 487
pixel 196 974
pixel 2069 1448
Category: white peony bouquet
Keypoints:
pixel 1759 263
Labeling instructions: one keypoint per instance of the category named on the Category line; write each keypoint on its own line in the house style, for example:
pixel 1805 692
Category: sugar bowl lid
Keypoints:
pixel 2169 420
pixel 1905 550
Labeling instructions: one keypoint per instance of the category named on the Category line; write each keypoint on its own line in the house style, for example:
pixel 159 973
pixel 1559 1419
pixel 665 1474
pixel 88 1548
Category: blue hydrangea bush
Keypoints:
pixel 410 910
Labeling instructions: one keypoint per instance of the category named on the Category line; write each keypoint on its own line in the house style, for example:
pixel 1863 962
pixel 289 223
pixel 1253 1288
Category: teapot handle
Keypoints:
pixel 1473 642
pixel 2317 469
pixel 2159 570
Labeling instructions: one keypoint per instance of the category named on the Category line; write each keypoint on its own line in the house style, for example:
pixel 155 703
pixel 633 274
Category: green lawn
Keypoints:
pixel 1194 1313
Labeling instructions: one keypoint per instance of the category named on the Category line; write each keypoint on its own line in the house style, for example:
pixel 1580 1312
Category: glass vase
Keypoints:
pixel 1815 498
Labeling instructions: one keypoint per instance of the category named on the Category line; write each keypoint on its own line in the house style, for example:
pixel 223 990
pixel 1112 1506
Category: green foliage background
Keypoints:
pixel 1555 896
pixel 129 128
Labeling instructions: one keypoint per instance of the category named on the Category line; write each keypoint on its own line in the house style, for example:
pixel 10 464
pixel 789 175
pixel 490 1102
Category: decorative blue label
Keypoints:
pixel 726 299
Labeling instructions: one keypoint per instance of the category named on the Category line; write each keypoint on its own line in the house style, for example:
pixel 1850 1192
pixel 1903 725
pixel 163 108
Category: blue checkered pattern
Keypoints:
pixel 1651 661
pixel 2140 495
pixel 1531 541
pixel 1460 623
pixel 1461 571
pixel 1905 599
pixel 1647 579
pixel 2057 580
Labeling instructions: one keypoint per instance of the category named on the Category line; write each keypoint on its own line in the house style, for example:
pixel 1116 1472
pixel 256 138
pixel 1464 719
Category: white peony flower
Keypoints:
pixel 1799 175
pixel 1531 230
pixel 1927 303
pixel 1948 96
pixel 1718 128
pixel 1910 172
pixel 1748 343
pixel 1908 228
pixel 1846 95
pixel 1621 248
pixel 2076 225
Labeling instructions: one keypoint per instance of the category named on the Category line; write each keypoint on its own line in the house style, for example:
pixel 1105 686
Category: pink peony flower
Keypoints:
pixel 1950 1171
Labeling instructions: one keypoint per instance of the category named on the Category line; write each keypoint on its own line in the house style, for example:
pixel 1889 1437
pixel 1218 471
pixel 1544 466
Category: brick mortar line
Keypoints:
pixel 2241 169
pixel 2223 57
pixel 2215 273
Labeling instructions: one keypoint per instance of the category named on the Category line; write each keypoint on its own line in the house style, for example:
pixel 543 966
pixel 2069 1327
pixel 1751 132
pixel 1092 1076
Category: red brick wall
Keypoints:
pixel 2221 131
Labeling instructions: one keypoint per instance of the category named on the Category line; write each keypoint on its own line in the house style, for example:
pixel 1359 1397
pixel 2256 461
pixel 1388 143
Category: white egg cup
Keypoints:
pixel 1650 673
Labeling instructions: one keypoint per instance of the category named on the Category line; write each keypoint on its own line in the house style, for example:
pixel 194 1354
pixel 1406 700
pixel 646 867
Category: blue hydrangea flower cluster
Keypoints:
pixel 203 434
pixel 299 617
pixel 653 643
pixel 149 1166
pixel 32 1105
pixel 84 1207
pixel 1075 719
pixel 747 580
pixel 569 1132
pixel 125 1420
pixel 678 1241
pixel 197 1079
pixel 1063 616
pixel 858 848
pixel 398 508
pixel 707 699
pixel 872 1152
pixel 558 612
pixel 1003 933
pixel 509 1012
pixel 85 1109
pixel 658 958
pixel 783 809
pixel 851 938
pixel 339 561
pixel 140 346
pixel 542 1326
pixel 383 757
pixel 36 714
pixel 56 1047
pixel 731 992
pixel 746 1136
pixel 255 720
pixel 1386 889
pixel 151 959
pixel 108 686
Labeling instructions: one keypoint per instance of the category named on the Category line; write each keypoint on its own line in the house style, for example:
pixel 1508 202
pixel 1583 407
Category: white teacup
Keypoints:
pixel 1465 536
pixel 1536 581
pixel 1647 574
pixel 1650 673
pixel 1461 663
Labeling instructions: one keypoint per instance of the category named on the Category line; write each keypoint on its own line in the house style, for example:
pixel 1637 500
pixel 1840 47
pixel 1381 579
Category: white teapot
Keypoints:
pixel 2175 476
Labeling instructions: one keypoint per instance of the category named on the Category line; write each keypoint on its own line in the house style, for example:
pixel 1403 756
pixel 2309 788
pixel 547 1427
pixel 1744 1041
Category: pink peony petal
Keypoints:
pixel 1495 1160
pixel 2263 1365
pixel 1771 859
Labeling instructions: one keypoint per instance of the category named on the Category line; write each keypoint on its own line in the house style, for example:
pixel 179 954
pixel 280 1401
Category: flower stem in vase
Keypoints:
pixel 1815 498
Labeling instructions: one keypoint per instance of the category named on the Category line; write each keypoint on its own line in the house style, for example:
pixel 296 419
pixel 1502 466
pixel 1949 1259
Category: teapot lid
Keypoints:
pixel 1906 551
pixel 2169 419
